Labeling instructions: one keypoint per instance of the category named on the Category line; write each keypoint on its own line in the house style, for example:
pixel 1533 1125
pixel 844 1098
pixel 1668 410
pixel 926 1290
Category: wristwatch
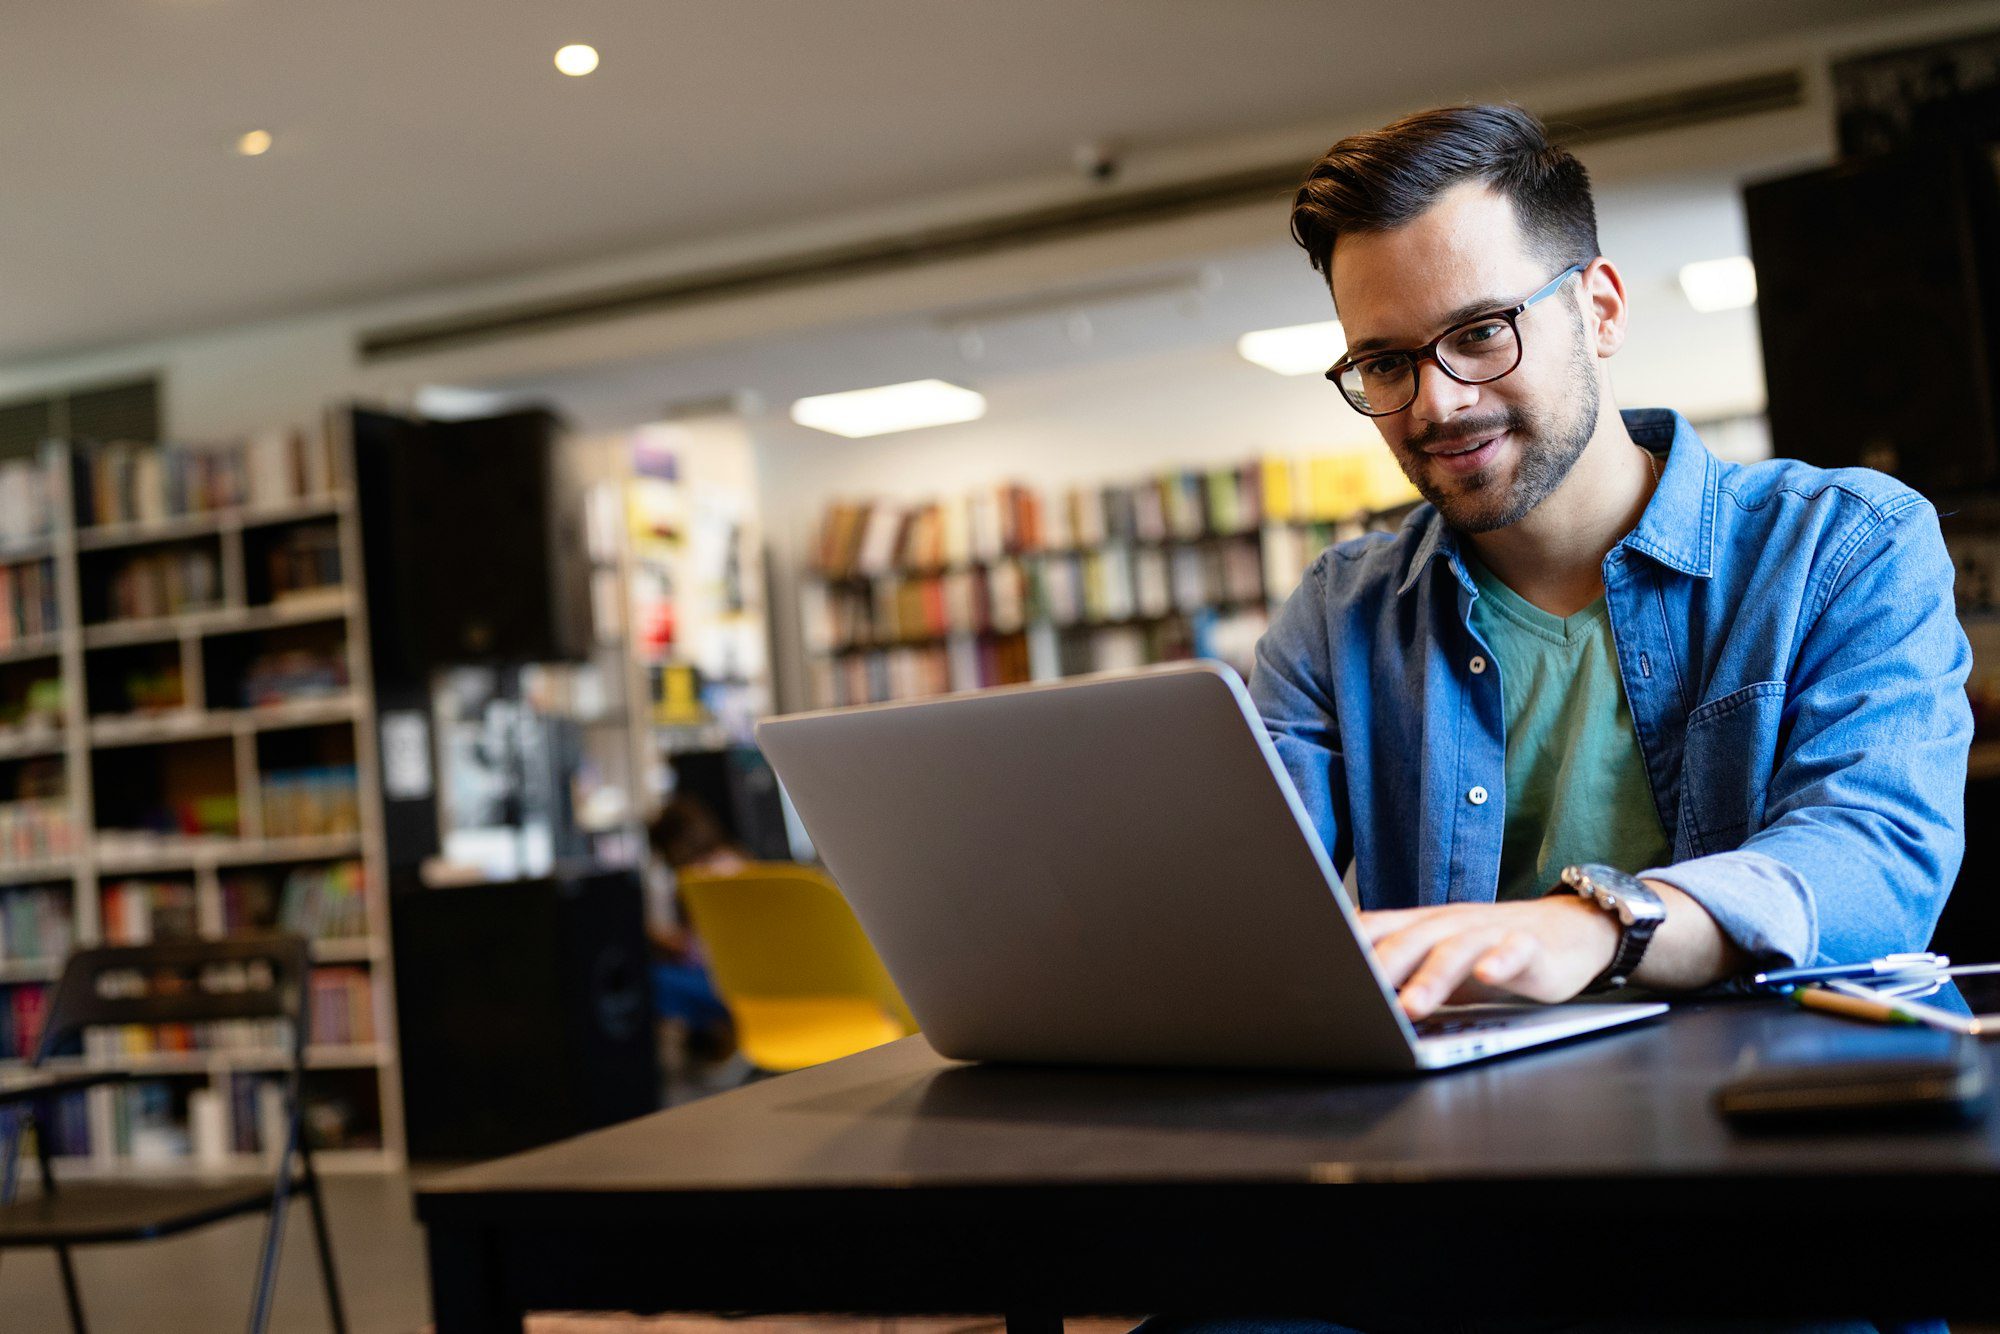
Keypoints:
pixel 1639 910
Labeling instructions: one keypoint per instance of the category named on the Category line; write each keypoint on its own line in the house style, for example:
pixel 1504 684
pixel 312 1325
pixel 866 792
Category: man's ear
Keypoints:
pixel 1602 291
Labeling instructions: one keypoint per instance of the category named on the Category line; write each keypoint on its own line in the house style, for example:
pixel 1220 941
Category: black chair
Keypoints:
pixel 192 982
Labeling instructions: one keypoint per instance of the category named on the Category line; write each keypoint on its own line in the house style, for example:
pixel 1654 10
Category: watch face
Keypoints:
pixel 1629 896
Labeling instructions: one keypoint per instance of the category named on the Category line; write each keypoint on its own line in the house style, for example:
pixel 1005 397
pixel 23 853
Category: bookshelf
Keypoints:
pixel 187 748
pixel 1013 583
pixel 678 591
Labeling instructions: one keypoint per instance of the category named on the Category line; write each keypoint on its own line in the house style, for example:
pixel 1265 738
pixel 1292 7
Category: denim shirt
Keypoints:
pixel 1795 668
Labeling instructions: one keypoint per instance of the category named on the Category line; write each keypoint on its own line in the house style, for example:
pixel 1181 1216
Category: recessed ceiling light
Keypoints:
pixel 890 407
pixel 1297 349
pixel 577 60
pixel 1720 284
pixel 254 144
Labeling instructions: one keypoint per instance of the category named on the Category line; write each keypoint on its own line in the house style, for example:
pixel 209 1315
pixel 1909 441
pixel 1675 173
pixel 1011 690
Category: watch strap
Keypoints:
pixel 1632 942
pixel 1633 936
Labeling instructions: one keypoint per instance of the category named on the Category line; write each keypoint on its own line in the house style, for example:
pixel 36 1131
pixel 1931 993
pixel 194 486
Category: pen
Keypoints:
pixel 1856 1003
pixel 1887 965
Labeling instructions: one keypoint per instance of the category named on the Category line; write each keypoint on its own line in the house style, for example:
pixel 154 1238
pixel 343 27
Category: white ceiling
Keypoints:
pixel 423 142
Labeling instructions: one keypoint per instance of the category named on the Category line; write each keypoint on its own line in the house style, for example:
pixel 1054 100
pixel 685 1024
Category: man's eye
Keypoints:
pixel 1479 335
pixel 1385 368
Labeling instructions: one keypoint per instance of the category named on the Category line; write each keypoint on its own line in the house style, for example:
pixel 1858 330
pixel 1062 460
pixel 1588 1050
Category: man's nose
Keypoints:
pixel 1439 397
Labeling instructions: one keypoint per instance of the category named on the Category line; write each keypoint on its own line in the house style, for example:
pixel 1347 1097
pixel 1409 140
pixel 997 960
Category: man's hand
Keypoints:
pixel 1538 949
pixel 1541 949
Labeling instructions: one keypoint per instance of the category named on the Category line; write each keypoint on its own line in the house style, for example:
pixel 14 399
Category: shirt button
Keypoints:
pixel 1478 666
pixel 1477 796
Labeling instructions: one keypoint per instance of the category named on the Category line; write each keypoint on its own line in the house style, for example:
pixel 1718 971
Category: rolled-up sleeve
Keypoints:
pixel 1864 822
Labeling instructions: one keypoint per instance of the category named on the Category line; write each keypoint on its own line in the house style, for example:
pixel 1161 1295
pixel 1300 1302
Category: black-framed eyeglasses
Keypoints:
pixel 1478 351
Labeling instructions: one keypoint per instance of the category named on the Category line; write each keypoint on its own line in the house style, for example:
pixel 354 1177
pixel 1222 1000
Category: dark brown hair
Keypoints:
pixel 1378 181
pixel 686 832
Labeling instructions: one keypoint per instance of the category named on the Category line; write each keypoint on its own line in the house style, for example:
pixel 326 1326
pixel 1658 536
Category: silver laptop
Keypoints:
pixel 1113 870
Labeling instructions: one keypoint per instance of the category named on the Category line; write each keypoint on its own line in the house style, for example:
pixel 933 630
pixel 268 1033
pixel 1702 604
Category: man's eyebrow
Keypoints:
pixel 1452 317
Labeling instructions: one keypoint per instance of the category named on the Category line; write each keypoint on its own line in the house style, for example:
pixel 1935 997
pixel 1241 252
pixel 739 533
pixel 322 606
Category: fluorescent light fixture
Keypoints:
pixel 1720 284
pixel 450 402
pixel 1299 349
pixel 890 407
pixel 576 60
pixel 254 144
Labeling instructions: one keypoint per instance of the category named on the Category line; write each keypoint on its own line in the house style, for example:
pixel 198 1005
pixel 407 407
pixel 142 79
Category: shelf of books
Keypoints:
pixel 1014 583
pixel 186 750
pixel 693 570
pixel 677 594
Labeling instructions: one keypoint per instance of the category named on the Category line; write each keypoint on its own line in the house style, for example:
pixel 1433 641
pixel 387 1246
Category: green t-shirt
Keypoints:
pixel 1576 784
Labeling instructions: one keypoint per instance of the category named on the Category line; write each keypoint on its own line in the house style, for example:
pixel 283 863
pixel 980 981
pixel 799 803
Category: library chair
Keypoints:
pixel 799 978
pixel 259 977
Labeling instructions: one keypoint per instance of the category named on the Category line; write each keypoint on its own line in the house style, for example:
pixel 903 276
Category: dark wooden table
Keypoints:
pixel 1582 1180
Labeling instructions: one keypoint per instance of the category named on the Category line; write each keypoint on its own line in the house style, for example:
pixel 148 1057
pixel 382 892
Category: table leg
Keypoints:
pixel 468 1295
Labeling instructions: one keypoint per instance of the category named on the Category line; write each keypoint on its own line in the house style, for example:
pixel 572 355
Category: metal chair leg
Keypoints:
pixel 70 1295
pixel 274 1246
pixel 325 1240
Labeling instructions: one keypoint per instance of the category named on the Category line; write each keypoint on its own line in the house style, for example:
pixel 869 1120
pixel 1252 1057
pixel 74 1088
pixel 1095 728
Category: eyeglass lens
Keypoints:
pixel 1474 354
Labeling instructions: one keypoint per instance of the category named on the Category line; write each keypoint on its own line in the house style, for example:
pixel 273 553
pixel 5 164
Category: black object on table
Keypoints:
pixel 898 1182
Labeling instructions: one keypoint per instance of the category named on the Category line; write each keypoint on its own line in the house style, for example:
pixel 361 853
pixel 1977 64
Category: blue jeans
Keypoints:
pixel 683 991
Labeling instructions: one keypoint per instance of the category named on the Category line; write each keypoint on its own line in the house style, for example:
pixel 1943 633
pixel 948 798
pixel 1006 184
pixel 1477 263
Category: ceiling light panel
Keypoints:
pixel 1720 284
pixel 891 407
pixel 1298 349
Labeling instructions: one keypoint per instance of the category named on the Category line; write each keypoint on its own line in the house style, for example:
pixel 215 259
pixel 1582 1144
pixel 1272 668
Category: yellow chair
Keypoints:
pixel 791 963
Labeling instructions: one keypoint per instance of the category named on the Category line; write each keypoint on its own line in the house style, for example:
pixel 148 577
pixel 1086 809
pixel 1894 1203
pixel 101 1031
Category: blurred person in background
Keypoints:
pixel 687 836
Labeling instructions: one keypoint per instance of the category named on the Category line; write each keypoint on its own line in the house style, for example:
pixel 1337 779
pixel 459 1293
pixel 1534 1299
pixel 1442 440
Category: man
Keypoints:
pixel 1739 691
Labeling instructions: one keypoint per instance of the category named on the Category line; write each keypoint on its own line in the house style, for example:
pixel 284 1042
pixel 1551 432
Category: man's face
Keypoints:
pixel 1488 454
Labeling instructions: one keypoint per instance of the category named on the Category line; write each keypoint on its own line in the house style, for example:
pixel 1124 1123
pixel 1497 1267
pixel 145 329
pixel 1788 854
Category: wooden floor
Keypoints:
pixel 199 1282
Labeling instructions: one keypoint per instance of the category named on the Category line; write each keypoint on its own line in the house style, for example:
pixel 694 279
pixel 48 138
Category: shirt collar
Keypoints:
pixel 1437 539
pixel 1677 528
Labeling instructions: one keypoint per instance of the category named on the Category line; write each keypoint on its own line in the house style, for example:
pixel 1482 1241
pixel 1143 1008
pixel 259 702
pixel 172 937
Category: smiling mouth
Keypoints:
pixel 1464 449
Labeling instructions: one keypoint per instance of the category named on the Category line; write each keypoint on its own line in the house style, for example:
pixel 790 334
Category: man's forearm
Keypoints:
pixel 1689 951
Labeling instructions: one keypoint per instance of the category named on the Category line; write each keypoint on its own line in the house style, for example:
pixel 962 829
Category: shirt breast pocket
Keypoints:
pixel 1730 752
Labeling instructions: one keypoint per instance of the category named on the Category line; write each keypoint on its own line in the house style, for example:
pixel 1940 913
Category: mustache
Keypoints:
pixel 1462 432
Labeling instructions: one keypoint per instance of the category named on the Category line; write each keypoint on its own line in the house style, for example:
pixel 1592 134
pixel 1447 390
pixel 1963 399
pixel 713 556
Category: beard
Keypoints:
pixel 1547 449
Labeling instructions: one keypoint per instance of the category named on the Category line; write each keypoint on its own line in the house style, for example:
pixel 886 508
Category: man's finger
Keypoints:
pixel 1398 953
pixel 1516 953
pixel 1386 921
pixel 1445 967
